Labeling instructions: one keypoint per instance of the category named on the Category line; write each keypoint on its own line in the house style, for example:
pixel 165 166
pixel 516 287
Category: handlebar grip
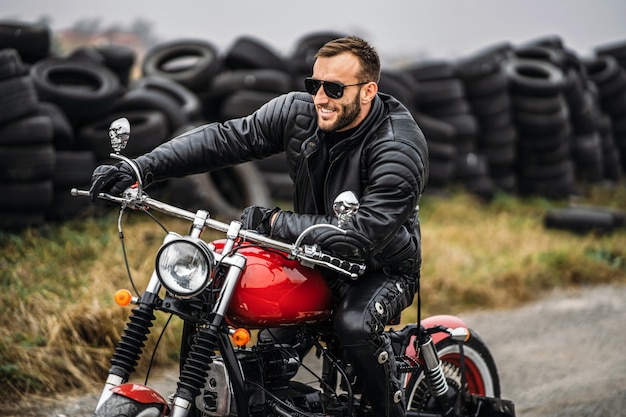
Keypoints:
pixel 352 269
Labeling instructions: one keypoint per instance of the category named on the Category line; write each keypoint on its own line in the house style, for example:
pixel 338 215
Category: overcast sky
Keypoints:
pixel 438 29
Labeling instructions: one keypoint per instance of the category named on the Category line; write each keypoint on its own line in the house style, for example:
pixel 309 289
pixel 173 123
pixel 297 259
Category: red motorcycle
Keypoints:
pixel 224 289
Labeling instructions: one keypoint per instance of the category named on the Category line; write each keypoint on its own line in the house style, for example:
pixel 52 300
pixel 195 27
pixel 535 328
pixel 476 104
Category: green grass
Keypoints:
pixel 60 324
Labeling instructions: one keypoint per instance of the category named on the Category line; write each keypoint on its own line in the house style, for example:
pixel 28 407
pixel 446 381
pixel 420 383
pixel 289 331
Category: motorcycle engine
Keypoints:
pixel 268 366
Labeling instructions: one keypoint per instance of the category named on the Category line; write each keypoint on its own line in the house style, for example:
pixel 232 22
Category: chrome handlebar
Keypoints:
pixel 307 255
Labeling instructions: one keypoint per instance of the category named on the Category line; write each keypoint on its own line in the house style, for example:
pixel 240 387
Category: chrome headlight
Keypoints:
pixel 184 266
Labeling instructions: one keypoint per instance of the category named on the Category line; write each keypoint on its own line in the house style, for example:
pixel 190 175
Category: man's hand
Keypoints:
pixel 111 179
pixel 258 219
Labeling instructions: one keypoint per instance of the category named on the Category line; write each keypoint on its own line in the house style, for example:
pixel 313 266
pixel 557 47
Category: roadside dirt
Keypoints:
pixel 564 355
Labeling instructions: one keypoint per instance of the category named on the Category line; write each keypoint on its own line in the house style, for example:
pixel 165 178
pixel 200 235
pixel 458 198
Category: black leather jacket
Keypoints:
pixel 384 162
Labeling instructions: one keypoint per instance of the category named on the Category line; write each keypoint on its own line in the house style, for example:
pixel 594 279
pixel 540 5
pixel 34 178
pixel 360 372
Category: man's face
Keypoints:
pixel 345 112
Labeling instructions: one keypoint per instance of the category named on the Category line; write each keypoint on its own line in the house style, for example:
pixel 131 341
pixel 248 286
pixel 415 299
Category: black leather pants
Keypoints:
pixel 365 307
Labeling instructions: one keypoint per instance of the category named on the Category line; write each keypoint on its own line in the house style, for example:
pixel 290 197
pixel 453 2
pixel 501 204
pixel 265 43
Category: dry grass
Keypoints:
pixel 60 324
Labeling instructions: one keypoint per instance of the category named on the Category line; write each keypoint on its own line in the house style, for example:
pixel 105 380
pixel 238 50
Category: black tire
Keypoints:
pixel 464 124
pixel 26 163
pixel 191 62
pixel 539 105
pixel 62 129
pixel 140 99
pixel 400 85
pixel 503 136
pixel 541 53
pixel 223 193
pixel 306 47
pixel 30 130
pixel 29 197
pixel 18 98
pixel 485 106
pixel 431 70
pixel 602 69
pixel 585 219
pixel 488 84
pixel 119 59
pixel 435 129
pixel 441 172
pixel 534 77
pixel 242 103
pixel 31 40
pixel 435 91
pixel 251 53
pixel 120 406
pixel 449 108
pixel 481 372
pixel 485 61
pixel 441 150
pixel 541 123
pixel 279 184
pixel 267 80
pixel 73 169
pixel 499 119
pixel 79 87
pixel 11 64
pixel 188 102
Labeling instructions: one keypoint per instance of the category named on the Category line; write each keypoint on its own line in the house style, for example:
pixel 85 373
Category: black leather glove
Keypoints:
pixel 111 179
pixel 258 219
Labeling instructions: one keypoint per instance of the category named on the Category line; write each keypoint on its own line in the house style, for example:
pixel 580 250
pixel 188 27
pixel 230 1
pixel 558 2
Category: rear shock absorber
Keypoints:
pixel 435 376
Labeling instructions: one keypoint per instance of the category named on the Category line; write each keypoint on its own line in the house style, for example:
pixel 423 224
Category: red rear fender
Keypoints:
pixel 442 320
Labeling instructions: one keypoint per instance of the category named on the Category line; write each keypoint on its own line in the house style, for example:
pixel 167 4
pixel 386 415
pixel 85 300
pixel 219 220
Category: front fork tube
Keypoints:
pixel 205 342
pixel 435 376
pixel 128 350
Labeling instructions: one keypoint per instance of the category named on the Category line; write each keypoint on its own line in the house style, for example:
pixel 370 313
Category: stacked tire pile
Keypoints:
pixel 545 118
pixel 441 94
pixel 27 158
pixel 56 111
pixel 486 85
pixel 607 71
pixel 531 119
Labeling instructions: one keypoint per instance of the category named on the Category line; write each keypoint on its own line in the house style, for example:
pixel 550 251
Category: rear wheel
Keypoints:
pixel 120 406
pixel 480 372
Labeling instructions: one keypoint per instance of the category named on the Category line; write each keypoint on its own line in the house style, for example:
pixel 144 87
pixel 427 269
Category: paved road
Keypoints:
pixel 562 356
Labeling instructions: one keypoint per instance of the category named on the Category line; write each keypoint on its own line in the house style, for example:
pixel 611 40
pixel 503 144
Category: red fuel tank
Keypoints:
pixel 276 291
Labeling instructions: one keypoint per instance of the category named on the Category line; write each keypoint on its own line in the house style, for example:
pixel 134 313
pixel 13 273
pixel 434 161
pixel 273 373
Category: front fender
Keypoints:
pixel 141 394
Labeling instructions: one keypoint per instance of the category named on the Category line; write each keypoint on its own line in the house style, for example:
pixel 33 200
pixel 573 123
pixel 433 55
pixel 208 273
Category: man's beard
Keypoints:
pixel 348 114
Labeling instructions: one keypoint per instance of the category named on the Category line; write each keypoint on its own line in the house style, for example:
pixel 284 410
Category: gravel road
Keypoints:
pixel 564 355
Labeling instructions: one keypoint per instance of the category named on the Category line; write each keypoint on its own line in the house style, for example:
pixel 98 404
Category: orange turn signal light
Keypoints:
pixel 123 297
pixel 241 337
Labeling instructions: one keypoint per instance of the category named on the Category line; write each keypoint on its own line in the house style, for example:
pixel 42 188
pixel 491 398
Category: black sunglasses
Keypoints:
pixel 331 88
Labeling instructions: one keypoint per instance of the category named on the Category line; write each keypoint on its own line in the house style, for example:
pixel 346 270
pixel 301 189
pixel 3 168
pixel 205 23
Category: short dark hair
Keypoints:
pixel 367 55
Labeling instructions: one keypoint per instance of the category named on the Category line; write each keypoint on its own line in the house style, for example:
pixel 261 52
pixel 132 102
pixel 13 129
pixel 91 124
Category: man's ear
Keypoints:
pixel 368 92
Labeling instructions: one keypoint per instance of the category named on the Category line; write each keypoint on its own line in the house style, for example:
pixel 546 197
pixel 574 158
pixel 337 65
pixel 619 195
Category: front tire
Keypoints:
pixel 480 372
pixel 120 406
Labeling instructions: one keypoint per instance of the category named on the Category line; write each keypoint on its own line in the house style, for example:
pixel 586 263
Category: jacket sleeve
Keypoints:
pixel 218 145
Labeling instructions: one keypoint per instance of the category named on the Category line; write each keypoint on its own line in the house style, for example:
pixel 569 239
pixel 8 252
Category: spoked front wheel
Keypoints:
pixel 480 372
pixel 120 406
